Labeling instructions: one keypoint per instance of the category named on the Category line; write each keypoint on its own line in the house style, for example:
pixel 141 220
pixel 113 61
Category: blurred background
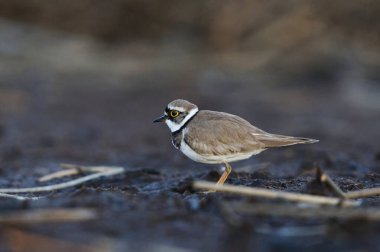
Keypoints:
pixel 81 81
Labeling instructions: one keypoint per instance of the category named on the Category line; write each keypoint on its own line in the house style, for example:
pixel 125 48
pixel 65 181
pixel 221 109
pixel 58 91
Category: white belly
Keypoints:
pixel 211 159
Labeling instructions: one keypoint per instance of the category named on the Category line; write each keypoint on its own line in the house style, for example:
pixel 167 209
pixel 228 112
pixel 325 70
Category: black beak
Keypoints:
pixel 160 119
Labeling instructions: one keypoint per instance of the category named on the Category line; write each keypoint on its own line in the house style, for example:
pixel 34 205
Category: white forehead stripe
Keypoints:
pixel 180 109
pixel 176 126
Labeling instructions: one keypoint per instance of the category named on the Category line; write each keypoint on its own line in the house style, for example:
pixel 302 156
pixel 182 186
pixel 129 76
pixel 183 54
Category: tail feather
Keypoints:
pixel 272 140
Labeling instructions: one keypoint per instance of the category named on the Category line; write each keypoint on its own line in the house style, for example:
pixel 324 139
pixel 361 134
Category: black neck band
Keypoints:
pixel 183 126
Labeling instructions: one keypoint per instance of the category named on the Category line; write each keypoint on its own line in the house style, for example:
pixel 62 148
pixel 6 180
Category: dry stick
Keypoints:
pixel 324 178
pixel 271 194
pixel 111 171
pixel 82 168
pixel 74 170
pixel 363 193
pixel 4 195
pixel 48 215
pixel 59 174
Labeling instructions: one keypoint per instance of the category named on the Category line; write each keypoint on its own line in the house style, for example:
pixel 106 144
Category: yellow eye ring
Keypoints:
pixel 174 113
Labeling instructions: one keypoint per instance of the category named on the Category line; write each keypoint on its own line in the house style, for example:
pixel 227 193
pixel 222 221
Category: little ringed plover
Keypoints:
pixel 213 137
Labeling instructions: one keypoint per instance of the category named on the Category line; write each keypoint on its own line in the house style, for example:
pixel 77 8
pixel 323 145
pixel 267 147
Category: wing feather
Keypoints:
pixel 218 133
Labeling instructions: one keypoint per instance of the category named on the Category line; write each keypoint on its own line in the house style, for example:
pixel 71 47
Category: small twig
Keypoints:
pixel 48 215
pixel 324 178
pixel 271 194
pixel 363 193
pixel 17 197
pixel 72 170
pixel 111 171
pixel 59 174
pixel 83 168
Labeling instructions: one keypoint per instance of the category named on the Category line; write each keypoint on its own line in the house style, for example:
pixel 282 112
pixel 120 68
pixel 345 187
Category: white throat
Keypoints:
pixel 175 126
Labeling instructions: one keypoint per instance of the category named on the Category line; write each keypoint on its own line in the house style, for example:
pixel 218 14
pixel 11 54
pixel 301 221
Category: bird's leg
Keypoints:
pixel 225 174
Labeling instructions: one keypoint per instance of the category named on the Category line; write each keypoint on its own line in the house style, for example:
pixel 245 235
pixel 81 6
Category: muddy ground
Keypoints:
pixel 96 108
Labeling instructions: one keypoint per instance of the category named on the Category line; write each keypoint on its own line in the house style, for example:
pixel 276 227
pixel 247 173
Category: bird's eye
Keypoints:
pixel 174 113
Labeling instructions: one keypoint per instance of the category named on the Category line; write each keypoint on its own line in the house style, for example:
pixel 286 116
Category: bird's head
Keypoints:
pixel 177 114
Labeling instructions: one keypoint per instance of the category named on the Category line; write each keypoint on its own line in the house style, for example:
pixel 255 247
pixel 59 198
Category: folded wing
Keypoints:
pixel 218 133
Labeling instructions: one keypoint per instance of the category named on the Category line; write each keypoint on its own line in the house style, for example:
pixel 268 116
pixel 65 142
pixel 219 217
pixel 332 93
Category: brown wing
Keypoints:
pixel 217 133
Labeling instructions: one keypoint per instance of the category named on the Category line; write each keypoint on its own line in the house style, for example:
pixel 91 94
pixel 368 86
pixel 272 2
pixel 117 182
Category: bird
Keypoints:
pixel 213 137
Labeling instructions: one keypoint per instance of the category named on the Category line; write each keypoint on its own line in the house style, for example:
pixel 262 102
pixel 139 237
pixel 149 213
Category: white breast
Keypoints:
pixel 190 153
